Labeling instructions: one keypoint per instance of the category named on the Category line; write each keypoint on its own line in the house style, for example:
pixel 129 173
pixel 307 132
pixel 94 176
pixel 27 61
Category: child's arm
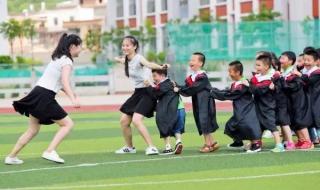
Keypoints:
pixel 228 94
pixel 152 65
pixel 65 79
pixel 292 86
pixel 196 87
pixel 119 59
pixel 162 90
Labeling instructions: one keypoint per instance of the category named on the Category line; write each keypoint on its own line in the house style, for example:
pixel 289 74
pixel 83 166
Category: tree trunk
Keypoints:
pixel 11 48
pixel 21 45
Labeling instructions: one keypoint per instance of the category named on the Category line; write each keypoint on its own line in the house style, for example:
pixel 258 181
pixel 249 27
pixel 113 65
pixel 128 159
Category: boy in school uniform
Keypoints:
pixel 197 86
pixel 311 78
pixel 243 125
pixel 263 90
pixel 170 112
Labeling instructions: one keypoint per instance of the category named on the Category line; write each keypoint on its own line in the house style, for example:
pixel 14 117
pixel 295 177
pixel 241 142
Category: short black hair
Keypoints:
pixel 312 52
pixel 291 56
pixel 160 71
pixel 265 59
pixel 237 66
pixel 201 56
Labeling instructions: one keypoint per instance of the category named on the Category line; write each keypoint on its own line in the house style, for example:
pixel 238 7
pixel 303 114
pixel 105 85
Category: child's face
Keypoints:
pixel 261 68
pixel 127 47
pixel 233 74
pixel 157 78
pixel 300 61
pixel 309 61
pixel 285 62
pixel 75 50
pixel 195 63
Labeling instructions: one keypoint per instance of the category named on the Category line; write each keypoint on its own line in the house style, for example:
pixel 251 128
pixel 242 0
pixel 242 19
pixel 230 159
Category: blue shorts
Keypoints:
pixel 179 127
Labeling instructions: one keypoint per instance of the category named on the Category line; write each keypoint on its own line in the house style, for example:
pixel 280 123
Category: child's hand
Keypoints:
pixel 271 86
pixel 76 102
pixel 245 82
pixel 174 83
pixel 296 72
pixel 176 89
pixel 146 83
pixel 165 66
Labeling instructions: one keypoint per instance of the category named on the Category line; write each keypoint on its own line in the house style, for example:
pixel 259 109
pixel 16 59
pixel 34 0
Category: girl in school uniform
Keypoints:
pixel 40 104
pixel 142 103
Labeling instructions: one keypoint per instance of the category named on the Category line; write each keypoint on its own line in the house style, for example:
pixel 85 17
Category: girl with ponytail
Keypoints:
pixel 40 104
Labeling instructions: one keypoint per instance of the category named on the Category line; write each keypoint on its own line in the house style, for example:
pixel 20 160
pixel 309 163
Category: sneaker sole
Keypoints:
pixel 52 160
pixel 235 148
pixel 254 151
pixel 179 149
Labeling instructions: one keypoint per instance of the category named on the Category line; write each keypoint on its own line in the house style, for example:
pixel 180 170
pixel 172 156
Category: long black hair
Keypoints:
pixel 64 44
pixel 134 42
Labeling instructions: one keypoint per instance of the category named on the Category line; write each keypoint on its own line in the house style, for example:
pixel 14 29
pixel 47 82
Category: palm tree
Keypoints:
pixel 28 27
pixel 10 30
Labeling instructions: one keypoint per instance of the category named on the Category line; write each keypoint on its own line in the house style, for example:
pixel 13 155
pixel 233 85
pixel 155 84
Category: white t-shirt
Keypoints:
pixel 51 78
pixel 138 73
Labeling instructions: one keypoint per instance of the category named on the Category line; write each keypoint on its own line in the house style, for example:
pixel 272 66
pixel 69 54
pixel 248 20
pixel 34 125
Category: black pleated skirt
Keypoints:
pixel 142 101
pixel 41 104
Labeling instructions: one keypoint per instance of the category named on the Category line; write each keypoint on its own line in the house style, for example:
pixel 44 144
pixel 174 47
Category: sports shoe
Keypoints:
pixel 13 161
pixel 290 146
pixel 298 144
pixel 254 148
pixel 305 145
pixel 52 156
pixel 278 148
pixel 236 145
pixel 152 151
pixel 167 152
pixel 126 150
pixel 267 134
pixel 178 149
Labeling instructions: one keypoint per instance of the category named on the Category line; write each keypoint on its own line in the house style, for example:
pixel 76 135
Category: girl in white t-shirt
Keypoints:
pixel 40 104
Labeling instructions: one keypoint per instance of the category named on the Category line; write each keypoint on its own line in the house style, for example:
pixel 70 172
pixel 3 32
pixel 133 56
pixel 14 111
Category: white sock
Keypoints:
pixel 168 146
pixel 178 141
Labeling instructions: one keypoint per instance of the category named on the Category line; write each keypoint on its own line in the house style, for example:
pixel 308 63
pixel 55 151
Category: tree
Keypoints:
pixel 10 30
pixel 265 14
pixel 92 40
pixel 28 26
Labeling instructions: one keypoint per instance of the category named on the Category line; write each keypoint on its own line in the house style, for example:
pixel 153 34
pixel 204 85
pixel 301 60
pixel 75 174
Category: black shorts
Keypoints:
pixel 142 101
pixel 41 104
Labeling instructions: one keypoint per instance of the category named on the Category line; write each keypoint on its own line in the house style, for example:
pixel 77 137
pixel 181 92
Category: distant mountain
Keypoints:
pixel 17 6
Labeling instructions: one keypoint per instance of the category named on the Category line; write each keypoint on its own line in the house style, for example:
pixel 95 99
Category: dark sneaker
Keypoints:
pixel 236 145
pixel 167 152
pixel 178 149
pixel 256 147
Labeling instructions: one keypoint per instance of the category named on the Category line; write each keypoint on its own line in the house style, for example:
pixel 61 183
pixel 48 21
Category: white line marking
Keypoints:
pixel 172 181
pixel 133 161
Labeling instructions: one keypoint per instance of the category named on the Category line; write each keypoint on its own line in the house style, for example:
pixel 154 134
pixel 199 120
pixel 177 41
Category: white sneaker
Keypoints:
pixel 52 156
pixel 126 150
pixel 13 161
pixel 152 151
pixel 267 134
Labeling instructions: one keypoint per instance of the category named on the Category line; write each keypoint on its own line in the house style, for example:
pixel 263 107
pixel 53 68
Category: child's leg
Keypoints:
pixel 137 120
pixel 178 137
pixel 276 136
pixel 125 122
pixel 208 139
pixel 66 124
pixel 26 137
pixel 167 143
pixel 305 134
pixel 286 132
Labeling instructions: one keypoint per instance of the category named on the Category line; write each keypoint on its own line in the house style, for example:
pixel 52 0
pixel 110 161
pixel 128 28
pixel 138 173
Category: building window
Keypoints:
pixel 221 1
pixel 151 7
pixel 55 21
pixel 72 18
pixel 164 5
pixel 132 8
pixel 184 9
pixel 204 2
pixel 119 8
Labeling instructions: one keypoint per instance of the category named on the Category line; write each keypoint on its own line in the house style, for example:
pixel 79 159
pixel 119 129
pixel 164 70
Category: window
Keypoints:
pixel 151 7
pixel 164 5
pixel 221 1
pixel 119 8
pixel 204 2
pixel 55 21
pixel 72 18
pixel 184 9
pixel 132 8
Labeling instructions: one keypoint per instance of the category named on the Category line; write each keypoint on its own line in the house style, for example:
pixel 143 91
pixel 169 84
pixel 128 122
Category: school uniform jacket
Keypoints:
pixel 166 109
pixel 298 102
pixel 244 124
pixel 313 88
pixel 203 105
